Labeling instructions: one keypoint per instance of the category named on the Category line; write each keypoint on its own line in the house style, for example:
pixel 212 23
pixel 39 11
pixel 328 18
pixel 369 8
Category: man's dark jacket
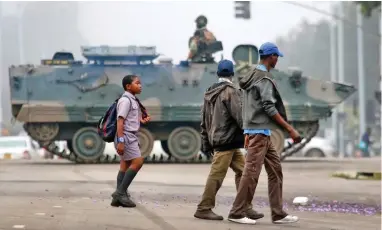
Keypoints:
pixel 221 123
pixel 261 100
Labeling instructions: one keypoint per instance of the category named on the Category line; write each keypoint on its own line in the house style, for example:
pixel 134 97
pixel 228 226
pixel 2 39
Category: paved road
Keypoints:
pixel 60 195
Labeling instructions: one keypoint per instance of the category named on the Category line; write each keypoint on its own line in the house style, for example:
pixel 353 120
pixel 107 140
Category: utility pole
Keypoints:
pixel 1 68
pixel 341 78
pixel 380 79
pixel 361 75
pixel 333 78
pixel 20 33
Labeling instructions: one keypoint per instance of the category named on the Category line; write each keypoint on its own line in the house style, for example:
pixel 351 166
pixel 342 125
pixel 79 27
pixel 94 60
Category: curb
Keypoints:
pixel 358 175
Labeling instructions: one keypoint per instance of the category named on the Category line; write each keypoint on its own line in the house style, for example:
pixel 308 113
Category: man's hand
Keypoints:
pixel 292 132
pixel 295 136
pixel 246 141
pixel 120 148
pixel 145 120
pixel 207 151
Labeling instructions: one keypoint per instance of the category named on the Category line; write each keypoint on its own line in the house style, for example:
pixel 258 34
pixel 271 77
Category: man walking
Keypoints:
pixel 263 109
pixel 365 143
pixel 222 137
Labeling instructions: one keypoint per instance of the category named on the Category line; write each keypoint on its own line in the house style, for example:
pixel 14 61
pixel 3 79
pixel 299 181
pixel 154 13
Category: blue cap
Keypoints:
pixel 225 68
pixel 269 48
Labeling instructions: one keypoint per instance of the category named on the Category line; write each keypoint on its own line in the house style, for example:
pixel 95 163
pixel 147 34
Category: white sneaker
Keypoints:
pixel 243 220
pixel 286 220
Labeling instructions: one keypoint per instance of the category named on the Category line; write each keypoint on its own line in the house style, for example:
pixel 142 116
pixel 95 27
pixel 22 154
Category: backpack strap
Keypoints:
pixel 129 100
pixel 141 107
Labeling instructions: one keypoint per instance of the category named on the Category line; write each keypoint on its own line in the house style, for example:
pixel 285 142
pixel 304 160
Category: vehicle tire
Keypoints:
pixel 315 153
pixel 146 142
pixel 87 144
pixel 184 143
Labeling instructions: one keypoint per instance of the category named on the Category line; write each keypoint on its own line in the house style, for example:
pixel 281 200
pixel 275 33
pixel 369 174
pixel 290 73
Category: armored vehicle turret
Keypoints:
pixel 63 99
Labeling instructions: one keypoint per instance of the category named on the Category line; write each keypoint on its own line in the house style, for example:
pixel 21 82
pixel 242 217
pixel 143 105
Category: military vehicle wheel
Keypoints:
pixel 146 142
pixel 42 131
pixel 165 148
pixel 87 144
pixel 184 143
pixel 278 139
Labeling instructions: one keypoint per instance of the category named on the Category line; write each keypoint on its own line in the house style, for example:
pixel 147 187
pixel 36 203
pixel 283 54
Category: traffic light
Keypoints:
pixel 243 9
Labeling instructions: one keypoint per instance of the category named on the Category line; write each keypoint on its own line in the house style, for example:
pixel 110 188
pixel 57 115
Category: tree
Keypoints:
pixel 308 47
pixel 368 7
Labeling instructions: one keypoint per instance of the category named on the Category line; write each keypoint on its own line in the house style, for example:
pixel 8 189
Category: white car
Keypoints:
pixel 317 147
pixel 17 147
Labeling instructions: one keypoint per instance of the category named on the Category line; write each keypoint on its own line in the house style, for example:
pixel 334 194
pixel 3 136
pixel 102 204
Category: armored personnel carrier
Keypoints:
pixel 63 99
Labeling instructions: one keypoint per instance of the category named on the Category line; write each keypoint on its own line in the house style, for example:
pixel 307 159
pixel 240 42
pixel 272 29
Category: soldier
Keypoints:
pixel 201 25
pixel 194 45
pixel 126 140
pixel 262 109
pixel 222 137
pixel 202 37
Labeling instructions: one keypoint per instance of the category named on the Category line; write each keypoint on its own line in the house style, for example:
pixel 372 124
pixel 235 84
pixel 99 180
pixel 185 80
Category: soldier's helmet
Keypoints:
pixel 201 21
